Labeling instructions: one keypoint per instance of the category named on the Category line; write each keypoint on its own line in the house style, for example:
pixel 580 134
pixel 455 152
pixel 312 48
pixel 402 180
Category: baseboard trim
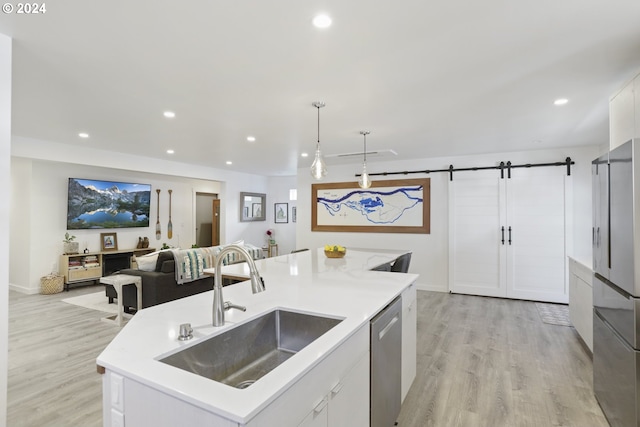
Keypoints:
pixel 23 289
pixel 433 288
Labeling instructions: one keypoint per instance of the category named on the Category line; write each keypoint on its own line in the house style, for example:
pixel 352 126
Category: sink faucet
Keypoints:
pixel 257 284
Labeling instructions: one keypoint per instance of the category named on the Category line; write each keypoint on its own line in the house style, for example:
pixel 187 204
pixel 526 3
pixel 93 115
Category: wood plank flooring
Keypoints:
pixel 53 346
pixel 481 362
pixel 492 362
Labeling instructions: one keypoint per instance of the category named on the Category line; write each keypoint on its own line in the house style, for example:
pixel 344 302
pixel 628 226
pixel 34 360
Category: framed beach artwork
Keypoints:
pixel 390 206
pixel 281 213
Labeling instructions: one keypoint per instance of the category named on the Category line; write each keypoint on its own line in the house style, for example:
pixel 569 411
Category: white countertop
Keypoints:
pixel 304 281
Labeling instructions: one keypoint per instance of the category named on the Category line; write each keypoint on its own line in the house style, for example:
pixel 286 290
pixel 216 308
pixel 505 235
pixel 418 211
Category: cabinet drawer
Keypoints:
pixel 85 274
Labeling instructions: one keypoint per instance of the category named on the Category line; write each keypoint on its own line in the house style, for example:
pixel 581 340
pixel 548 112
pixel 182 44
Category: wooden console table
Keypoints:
pixel 91 266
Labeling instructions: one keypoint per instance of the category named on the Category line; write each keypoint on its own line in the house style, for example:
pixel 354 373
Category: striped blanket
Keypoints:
pixel 190 263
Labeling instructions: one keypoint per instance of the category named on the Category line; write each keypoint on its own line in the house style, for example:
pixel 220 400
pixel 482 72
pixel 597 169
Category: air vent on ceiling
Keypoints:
pixel 375 153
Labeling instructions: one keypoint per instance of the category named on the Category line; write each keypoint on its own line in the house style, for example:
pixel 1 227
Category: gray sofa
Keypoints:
pixel 158 286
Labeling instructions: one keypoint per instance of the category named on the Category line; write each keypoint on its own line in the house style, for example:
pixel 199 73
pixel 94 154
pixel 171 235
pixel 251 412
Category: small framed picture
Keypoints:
pixel 109 241
pixel 281 213
pixel 294 214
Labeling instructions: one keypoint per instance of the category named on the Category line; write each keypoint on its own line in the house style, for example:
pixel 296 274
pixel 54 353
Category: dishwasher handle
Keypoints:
pixel 384 330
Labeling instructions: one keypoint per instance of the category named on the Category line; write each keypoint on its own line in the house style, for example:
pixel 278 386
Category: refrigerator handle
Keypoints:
pixel 509 235
pixel 503 235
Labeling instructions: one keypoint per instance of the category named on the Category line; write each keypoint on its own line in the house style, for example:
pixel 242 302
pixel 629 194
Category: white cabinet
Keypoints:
pixel 624 114
pixel 336 391
pixel 507 236
pixel 409 334
pixel 581 300
pixel 347 403
pixel 636 108
pixel 621 116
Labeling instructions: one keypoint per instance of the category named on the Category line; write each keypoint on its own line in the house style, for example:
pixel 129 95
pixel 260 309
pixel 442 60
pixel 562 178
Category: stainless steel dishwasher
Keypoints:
pixel 386 355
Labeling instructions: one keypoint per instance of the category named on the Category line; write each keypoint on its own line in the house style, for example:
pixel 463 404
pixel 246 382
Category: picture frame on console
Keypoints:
pixel 109 242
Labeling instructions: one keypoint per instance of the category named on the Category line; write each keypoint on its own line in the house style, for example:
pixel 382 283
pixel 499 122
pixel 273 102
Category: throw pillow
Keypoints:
pixel 147 262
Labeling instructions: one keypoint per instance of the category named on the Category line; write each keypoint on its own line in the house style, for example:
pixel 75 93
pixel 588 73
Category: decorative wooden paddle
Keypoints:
pixel 158 231
pixel 170 226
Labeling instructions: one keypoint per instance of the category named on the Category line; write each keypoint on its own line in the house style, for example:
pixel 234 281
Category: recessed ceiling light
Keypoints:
pixel 560 101
pixel 83 135
pixel 170 151
pixel 229 162
pixel 304 154
pixel 169 114
pixel 251 138
pixel 322 21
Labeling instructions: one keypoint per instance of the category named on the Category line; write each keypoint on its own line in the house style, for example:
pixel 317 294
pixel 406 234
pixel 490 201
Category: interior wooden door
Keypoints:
pixel 536 252
pixel 215 223
pixel 476 252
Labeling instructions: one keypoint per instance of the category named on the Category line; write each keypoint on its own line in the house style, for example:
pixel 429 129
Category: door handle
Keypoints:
pixel 503 235
pixel 509 235
pixel 384 331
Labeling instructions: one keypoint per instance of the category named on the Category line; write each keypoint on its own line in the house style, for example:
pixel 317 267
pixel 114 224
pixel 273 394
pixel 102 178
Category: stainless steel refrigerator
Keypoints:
pixel 616 284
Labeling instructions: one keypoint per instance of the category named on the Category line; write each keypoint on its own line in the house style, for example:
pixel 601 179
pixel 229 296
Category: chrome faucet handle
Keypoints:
pixel 228 305
pixel 186 332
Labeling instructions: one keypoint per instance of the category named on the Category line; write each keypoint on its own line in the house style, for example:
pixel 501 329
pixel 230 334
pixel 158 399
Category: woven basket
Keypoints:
pixel 51 284
pixel 334 254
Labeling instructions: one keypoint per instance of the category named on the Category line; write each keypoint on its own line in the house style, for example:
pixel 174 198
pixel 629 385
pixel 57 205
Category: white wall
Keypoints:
pixel 430 251
pixel 285 233
pixel 5 144
pixel 43 187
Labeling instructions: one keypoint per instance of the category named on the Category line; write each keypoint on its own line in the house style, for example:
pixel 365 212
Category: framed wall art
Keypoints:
pixel 108 242
pixel 391 206
pixel 281 213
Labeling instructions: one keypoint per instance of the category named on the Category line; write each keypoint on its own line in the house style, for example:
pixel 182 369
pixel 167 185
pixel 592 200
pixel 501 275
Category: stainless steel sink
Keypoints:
pixel 242 355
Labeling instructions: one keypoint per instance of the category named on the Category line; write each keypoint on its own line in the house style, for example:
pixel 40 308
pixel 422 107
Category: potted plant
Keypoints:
pixel 70 247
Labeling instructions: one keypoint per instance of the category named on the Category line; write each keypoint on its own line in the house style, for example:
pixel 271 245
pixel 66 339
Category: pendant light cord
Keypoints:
pixel 365 148
pixel 318 144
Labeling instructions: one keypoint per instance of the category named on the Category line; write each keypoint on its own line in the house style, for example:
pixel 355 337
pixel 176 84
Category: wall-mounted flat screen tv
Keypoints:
pixel 107 204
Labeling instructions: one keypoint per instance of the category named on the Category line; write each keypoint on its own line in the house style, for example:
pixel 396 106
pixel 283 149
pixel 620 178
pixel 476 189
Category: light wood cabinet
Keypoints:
pixel 81 267
pixel 86 267
pixel 507 237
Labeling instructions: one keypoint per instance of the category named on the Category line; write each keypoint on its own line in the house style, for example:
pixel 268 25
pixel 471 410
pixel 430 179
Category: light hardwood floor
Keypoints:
pixel 53 348
pixel 492 362
pixel 481 362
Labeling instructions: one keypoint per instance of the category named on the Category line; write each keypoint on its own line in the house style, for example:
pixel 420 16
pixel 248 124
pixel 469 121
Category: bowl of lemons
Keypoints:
pixel 335 251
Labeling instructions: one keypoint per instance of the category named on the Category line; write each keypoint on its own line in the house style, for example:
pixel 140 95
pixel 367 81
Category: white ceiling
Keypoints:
pixel 426 78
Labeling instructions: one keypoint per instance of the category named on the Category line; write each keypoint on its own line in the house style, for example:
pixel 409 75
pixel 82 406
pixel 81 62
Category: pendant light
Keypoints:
pixel 364 181
pixel 318 167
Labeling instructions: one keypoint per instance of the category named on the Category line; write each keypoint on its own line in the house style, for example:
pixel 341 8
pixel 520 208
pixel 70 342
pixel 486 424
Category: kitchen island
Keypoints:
pixel 332 372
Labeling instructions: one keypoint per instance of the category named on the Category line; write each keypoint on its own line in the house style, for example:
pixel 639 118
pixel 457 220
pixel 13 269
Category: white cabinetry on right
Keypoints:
pixel 624 114
pixel 507 236
pixel 409 337
pixel 581 300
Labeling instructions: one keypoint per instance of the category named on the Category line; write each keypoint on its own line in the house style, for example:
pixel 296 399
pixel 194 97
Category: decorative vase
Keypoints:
pixel 140 243
pixel 71 247
pixel 145 242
